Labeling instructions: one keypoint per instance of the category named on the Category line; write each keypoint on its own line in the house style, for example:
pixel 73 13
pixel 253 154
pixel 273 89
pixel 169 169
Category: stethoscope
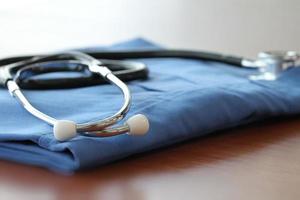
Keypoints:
pixel 18 73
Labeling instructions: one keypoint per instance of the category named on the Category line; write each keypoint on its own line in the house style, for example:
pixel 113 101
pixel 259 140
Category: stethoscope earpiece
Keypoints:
pixel 138 125
pixel 64 130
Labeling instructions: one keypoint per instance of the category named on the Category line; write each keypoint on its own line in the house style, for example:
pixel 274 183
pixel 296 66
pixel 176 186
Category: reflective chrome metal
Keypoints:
pixel 95 128
pixel 15 91
pixel 109 131
pixel 272 64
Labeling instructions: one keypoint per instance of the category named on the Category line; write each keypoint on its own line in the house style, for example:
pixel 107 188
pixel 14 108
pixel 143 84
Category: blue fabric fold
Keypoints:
pixel 183 99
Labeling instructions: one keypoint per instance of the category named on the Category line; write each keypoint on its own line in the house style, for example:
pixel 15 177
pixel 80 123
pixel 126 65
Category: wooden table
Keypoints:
pixel 260 161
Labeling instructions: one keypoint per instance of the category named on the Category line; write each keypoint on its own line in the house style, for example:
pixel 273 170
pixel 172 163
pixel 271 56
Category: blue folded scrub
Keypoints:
pixel 183 99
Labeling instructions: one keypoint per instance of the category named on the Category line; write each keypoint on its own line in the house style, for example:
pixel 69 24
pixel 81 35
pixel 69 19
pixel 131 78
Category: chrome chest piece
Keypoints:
pixel 272 64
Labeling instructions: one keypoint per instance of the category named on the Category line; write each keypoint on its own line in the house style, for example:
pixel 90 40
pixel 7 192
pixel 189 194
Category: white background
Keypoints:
pixel 240 27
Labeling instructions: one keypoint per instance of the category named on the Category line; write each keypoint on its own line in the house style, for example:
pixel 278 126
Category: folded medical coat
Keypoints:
pixel 183 99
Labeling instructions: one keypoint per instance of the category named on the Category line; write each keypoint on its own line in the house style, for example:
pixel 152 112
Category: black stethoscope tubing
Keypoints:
pixel 118 55
pixel 124 70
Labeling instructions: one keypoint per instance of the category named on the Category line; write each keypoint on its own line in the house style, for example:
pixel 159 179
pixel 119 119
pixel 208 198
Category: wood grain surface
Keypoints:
pixel 258 161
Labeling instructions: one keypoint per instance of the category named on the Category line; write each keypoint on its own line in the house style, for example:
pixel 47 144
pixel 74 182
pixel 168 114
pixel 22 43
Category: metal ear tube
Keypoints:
pixel 66 129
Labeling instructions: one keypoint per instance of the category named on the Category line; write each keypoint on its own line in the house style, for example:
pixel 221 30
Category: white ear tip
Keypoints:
pixel 64 130
pixel 138 125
